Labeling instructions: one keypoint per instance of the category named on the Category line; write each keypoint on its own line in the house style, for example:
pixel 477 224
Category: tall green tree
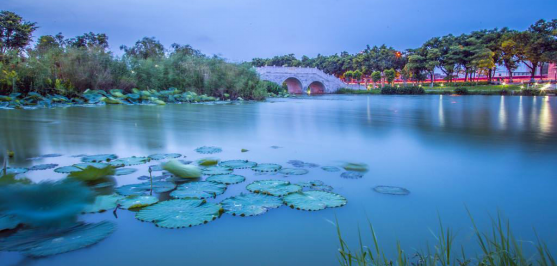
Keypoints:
pixel 538 45
pixel 15 33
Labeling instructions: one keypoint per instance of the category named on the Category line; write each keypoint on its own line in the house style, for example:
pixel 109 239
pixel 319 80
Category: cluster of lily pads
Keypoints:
pixel 100 97
pixel 44 216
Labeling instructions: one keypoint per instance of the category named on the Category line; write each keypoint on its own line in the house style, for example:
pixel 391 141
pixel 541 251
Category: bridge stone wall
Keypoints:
pixel 306 76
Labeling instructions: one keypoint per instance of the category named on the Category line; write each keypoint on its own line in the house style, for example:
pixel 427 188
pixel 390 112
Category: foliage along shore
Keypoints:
pixel 457 90
pixel 63 69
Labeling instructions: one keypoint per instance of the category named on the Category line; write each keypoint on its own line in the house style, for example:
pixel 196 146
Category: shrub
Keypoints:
pixel 402 90
pixel 461 91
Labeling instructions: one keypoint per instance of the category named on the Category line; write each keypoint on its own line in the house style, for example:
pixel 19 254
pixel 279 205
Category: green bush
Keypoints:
pixel 402 90
pixel 461 91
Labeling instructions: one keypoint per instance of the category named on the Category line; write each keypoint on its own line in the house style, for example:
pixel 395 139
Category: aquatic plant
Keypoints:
pixel 391 190
pixel 161 156
pixel 180 213
pixel 300 164
pixel 145 188
pixel 208 161
pixel 42 243
pixel 129 161
pixel 293 171
pixel 103 203
pixel 136 201
pixel 99 158
pixel 45 203
pixel 227 179
pixel 91 173
pixel 125 171
pixel 237 164
pixel 331 168
pixel 315 185
pixel 250 204
pixel 200 189
pixel 182 170
pixel 352 175
pixel 356 167
pixel 217 170
pixel 8 222
pixel 42 166
pixel 208 150
pixel 50 155
pixel 314 200
pixel 16 170
pixel 78 167
pixel 9 179
pixel 273 187
pixel 267 167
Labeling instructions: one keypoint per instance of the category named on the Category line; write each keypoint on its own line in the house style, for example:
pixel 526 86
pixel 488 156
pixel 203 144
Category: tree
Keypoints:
pixel 390 75
pixel 357 74
pixel 15 33
pixel 376 76
pixel 538 45
pixel 348 76
pixel 90 41
pixel 509 51
pixel 145 48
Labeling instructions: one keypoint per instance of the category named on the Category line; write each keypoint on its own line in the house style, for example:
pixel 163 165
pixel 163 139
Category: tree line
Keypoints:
pixel 474 54
pixel 69 66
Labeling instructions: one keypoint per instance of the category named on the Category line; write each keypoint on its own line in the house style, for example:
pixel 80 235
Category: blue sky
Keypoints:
pixel 243 29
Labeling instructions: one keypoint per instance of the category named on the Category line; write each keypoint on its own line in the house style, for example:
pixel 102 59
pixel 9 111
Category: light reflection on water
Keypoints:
pixel 447 150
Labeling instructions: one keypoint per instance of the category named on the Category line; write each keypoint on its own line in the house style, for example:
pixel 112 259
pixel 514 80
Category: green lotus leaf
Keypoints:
pixel 352 175
pixel 331 168
pixel 92 173
pixel 208 161
pixel 8 222
pixel 99 158
pixel 103 203
pixel 96 165
pixel 145 188
pixel 45 203
pixel 137 201
pixel 42 243
pixel 16 170
pixel 356 167
pixel 273 187
pixel 110 100
pixel 227 179
pixel 238 164
pixel 267 167
pixel 42 166
pixel 392 190
pixel 310 183
pixel 300 164
pixel 250 204
pixel 200 189
pixel 67 169
pixel 161 156
pixel 314 200
pixel 293 171
pixel 78 167
pixel 208 150
pixel 156 167
pixel 129 161
pixel 155 178
pixel 182 170
pixel 217 170
pixel 125 171
pixel 9 179
pixel 321 188
pixel 180 213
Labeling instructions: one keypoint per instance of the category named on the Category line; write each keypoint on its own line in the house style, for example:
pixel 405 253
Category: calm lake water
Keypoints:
pixel 488 153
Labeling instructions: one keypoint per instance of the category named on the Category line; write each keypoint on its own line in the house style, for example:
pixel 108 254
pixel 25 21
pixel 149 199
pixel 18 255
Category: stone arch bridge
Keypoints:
pixel 301 79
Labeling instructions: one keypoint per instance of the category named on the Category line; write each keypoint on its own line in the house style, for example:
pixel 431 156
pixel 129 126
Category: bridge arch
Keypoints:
pixel 316 87
pixel 294 86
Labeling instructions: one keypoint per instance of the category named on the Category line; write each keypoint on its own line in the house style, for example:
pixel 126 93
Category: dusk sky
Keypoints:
pixel 244 29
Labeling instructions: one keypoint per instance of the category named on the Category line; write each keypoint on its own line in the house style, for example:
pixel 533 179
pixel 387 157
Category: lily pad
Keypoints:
pixel 273 187
pixel 310 183
pixel 145 187
pixel 227 179
pixel 267 167
pixel 78 167
pixel 300 164
pixel 156 167
pixel 182 170
pixel 238 164
pixel 293 171
pixel 161 156
pixel 392 190
pixel 125 171
pixel 250 204
pixel 16 170
pixel 155 178
pixel 129 161
pixel 356 167
pixel 103 203
pixel 314 200
pixel 180 213
pixel 217 170
pixel 136 201
pixel 208 150
pixel 352 175
pixel 8 222
pixel 201 190
pixel 10 179
pixel 92 173
pixel 42 243
pixel 99 158
pixel 42 166
pixel 331 168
